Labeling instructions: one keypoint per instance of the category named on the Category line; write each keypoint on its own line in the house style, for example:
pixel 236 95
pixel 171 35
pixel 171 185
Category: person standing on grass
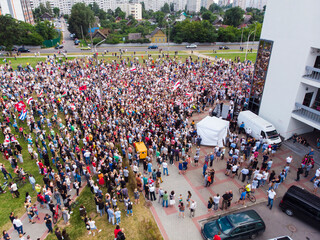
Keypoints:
pixel 111 215
pixel 118 216
pixel 58 234
pixel 129 209
pixel 92 225
pixel 65 235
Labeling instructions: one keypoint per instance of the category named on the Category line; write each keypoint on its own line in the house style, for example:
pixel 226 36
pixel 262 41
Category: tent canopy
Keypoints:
pixel 213 131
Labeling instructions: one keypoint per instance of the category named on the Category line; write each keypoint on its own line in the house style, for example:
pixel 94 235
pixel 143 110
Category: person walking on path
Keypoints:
pixel 6 235
pixel 271 196
pixel 225 200
pixel 181 209
pixel 299 172
pixel 19 225
pixel 48 222
pixel 193 207
pixel 216 200
pixel 165 168
pixel 165 199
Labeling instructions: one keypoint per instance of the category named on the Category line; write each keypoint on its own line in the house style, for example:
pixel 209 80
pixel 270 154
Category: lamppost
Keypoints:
pixel 248 44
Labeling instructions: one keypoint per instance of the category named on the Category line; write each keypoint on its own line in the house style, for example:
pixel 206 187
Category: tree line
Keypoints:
pixel 14 32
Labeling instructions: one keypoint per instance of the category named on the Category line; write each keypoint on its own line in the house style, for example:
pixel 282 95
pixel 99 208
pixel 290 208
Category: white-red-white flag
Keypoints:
pixel 189 94
pixel 133 69
pixel 176 85
pixel 30 99
pixel 40 94
pixel 7 139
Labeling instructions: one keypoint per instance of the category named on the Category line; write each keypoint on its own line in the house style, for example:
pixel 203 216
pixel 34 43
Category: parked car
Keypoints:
pixel 153 47
pixel 191 46
pixel 58 46
pixel 224 47
pixel 242 225
pixel 22 49
pixel 282 238
pixel 14 49
pixel 302 204
pixel 76 42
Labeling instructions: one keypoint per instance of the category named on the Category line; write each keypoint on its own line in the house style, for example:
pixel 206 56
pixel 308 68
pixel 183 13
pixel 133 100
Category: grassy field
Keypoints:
pixel 232 56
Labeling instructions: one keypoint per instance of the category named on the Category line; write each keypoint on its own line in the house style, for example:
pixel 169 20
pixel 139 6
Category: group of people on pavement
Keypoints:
pixel 80 120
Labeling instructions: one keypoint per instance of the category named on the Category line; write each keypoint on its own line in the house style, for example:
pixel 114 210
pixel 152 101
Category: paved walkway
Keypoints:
pixel 39 229
pixel 174 228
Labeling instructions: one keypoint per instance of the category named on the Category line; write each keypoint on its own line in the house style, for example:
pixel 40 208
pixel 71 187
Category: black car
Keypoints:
pixel 224 47
pixel 242 225
pixel 302 204
pixel 58 46
pixel 23 49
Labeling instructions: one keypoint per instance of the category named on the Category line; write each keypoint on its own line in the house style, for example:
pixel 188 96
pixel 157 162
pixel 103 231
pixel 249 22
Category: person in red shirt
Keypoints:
pixel 217 236
pixel 116 231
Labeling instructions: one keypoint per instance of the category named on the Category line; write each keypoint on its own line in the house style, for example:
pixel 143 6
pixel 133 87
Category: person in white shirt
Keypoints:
pixel 19 225
pixel 165 168
pixel 92 225
pixel 193 207
pixel 216 200
pixel 271 196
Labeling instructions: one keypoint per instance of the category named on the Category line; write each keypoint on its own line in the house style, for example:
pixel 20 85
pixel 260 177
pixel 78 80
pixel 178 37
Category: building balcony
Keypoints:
pixel 312 74
pixel 307 115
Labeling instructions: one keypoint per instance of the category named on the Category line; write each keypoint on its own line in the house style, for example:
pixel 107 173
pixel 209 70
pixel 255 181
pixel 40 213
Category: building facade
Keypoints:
pixel 133 9
pixel 194 5
pixel 286 82
pixel 18 9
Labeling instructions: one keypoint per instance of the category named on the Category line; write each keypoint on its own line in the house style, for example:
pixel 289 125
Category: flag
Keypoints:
pixel 72 106
pixel 40 94
pixel 160 79
pixel 7 139
pixel 189 94
pixel 133 69
pixel 13 139
pixel 20 106
pixel 82 88
pixel 64 94
pixel 176 86
pixel 23 114
pixel 30 99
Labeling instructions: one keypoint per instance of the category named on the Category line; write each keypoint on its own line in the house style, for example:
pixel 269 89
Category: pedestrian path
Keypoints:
pixel 39 229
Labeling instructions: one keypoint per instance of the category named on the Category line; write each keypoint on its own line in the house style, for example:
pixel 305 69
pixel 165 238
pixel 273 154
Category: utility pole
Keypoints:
pixel 100 86
pixel 255 30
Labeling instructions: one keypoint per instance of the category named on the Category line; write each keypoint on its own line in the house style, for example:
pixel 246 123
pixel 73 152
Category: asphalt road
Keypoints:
pixel 279 224
pixel 71 48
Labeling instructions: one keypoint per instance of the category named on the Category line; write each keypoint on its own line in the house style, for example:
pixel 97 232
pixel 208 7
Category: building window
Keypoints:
pixel 260 74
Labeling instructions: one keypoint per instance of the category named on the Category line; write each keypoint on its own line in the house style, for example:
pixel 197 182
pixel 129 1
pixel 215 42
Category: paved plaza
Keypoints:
pixel 174 228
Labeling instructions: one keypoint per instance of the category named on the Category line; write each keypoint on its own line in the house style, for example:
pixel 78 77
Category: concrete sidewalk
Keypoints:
pixel 174 228
pixel 39 229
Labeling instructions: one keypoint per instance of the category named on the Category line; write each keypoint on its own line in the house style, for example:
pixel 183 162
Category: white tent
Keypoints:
pixel 213 131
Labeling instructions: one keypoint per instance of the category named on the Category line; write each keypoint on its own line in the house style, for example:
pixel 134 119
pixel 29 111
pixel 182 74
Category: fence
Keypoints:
pixel 52 42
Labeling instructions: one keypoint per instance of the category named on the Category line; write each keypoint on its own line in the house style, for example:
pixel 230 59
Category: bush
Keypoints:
pixel 142 40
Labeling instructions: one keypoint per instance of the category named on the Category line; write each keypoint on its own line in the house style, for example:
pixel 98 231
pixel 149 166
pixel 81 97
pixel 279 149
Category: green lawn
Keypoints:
pixel 232 56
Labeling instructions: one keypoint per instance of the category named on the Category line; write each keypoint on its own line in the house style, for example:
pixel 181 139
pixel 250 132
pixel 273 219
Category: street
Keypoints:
pixel 279 224
pixel 71 48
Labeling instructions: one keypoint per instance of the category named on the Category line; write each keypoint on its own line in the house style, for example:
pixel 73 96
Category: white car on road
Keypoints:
pixel 191 46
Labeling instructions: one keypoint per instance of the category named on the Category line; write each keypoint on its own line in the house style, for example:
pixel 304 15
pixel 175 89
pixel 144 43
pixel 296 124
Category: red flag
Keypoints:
pixel 20 106
pixel 82 88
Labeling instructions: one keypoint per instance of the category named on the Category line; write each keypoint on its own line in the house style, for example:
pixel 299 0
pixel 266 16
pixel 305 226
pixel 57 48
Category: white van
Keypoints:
pixel 259 127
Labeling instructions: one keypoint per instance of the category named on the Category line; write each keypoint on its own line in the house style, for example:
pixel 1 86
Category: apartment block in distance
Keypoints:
pixel 18 9
pixel 286 82
pixel 134 9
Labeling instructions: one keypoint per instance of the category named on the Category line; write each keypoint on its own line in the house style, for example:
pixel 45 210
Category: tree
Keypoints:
pixel 202 10
pixel 81 17
pixel 234 16
pixel 119 13
pixel 171 7
pixel 46 30
pixel 56 11
pixel 48 8
pixel 209 16
pixel 165 8
pixel 214 7
pixel 159 16
pixel 8 31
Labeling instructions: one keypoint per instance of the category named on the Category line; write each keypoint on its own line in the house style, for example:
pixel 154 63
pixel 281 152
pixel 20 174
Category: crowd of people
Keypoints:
pixel 80 120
